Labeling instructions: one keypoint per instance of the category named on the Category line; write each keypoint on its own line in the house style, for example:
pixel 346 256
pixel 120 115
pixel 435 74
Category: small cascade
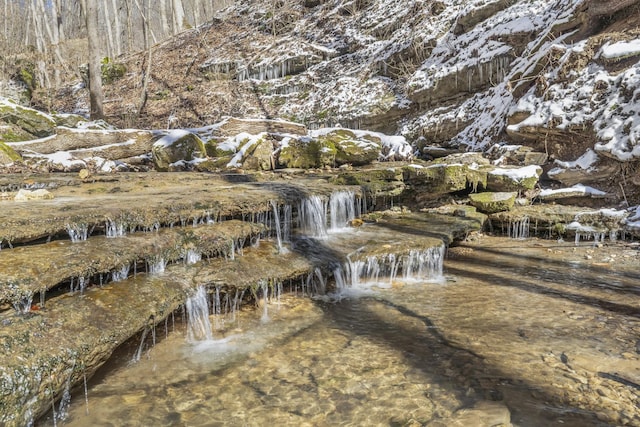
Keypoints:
pixel 316 283
pixel 342 208
pixel 382 270
pixel 120 274
pixel 312 216
pixel 156 265
pixel 115 229
pixel 192 256
pixel 519 229
pixel 371 271
pixel 423 264
pixel 198 323
pixel 264 285
pixel 279 230
pixel 78 232
pixel 23 305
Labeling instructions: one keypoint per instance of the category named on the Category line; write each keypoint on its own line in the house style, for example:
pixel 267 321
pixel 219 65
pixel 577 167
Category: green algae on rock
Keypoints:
pixel 493 202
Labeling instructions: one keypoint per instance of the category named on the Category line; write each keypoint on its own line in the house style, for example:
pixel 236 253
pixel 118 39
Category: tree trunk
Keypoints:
pixel 178 16
pixel 95 73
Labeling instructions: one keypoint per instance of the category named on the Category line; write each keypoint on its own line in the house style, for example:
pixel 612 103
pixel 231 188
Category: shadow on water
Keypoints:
pixel 447 365
pixel 559 273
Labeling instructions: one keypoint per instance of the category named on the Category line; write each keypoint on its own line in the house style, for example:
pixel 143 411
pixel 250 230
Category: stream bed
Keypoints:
pixel 517 332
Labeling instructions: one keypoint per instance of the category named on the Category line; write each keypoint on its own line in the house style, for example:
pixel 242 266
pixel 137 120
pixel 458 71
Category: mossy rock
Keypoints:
pixel 350 149
pixel 111 71
pixel 260 156
pixel 307 153
pixel 8 155
pixel 32 122
pixel 489 202
pixel 176 146
pixel 213 165
pixel 69 120
pixel 213 148
pixel 377 182
pixel 444 178
pixel 516 179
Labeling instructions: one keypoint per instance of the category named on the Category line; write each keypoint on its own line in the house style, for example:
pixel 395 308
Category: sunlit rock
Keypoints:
pixel 178 145
pixel 493 202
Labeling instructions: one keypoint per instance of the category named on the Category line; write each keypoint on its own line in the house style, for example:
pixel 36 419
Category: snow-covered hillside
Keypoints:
pixel 560 76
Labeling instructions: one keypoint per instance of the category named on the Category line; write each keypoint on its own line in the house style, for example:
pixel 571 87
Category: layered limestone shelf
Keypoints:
pixel 144 201
pixel 37 268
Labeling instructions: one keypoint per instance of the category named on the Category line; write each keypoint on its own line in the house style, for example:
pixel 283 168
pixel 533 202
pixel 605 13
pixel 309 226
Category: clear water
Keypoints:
pixel 531 331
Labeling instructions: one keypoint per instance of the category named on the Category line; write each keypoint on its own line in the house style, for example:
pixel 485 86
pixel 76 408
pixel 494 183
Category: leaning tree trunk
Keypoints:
pixel 95 73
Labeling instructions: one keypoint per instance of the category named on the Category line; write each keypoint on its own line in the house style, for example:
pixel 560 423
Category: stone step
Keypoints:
pixel 37 268
pixel 145 201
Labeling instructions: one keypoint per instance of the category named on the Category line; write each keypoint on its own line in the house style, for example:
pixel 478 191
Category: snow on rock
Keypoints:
pixel 620 49
pixel 578 189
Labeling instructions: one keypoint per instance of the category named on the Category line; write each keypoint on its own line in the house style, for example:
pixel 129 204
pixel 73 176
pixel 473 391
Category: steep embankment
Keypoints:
pixel 560 76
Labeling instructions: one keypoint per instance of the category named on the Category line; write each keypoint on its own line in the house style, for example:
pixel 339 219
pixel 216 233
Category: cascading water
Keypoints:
pixel 519 229
pixel 198 323
pixel 312 216
pixel 342 209
pixel 120 274
pixel 78 232
pixel 382 270
pixel 115 229
pixel 192 256
pixel 423 264
pixel 156 265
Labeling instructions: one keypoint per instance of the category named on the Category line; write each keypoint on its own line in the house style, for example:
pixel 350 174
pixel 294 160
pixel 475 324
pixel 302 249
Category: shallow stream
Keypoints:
pixel 534 333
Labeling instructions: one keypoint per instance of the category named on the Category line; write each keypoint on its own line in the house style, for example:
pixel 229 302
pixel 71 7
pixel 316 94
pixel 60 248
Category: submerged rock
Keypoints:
pixel 40 194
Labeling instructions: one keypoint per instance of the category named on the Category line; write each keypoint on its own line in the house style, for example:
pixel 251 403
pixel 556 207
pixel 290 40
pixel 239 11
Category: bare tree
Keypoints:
pixel 96 96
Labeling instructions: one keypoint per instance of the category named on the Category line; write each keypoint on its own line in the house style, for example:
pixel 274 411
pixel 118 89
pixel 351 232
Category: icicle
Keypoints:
pixel 264 285
pixel 86 395
pixel 138 355
pixel 156 265
pixel 78 232
pixel 23 305
pixel 121 274
pixel 114 229
pixel 192 256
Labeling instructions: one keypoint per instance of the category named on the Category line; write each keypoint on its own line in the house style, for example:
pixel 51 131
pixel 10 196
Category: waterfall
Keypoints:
pixel 198 323
pixel 519 229
pixel 382 270
pixel 312 216
pixel 424 264
pixel 342 208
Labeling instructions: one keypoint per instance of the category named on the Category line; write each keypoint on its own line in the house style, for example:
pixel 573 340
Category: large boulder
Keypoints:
pixel 21 123
pixel 306 153
pixel 513 179
pixel 349 148
pixel 434 181
pixel 8 155
pixel 177 146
